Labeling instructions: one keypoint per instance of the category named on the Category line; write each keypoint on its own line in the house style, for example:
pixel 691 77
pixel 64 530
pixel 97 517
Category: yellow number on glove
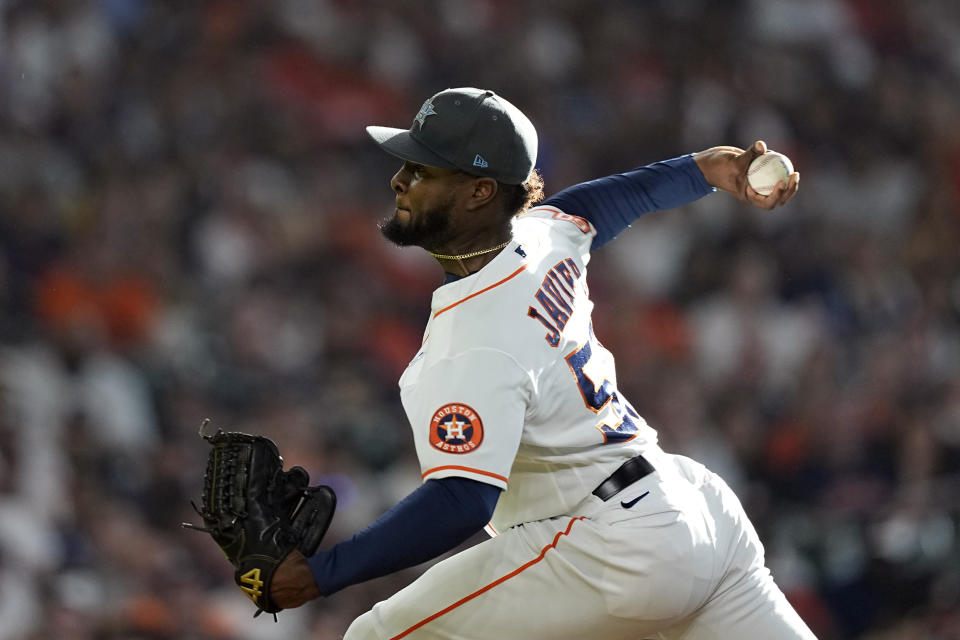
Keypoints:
pixel 252 578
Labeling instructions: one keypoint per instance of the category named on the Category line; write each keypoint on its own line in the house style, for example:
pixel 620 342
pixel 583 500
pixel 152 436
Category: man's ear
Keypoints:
pixel 484 192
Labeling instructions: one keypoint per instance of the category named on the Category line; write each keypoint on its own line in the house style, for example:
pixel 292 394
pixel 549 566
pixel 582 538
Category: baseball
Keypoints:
pixel 767 170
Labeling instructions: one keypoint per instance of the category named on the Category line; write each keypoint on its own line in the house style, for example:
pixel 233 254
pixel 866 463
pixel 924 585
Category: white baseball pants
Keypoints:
pixel 683 561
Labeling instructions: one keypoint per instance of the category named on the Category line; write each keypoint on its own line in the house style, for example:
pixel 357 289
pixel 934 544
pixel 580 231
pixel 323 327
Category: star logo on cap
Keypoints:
pixel 425 110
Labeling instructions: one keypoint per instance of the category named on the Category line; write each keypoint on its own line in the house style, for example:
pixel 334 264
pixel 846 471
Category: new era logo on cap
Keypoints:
pixel 478 161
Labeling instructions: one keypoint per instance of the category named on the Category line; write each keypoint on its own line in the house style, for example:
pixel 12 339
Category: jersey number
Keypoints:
pixel 597 397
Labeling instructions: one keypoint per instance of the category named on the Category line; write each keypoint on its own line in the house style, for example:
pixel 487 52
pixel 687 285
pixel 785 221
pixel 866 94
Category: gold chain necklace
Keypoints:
pixel 472 254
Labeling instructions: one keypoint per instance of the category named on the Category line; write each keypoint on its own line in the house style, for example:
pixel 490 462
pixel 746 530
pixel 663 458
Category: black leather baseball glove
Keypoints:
pixel 258 513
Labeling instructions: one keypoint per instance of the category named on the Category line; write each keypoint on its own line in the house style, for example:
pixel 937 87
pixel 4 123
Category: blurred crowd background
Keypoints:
pixel 188 210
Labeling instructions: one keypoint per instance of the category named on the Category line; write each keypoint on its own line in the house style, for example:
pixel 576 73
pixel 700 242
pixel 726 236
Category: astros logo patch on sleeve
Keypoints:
pixel 455 428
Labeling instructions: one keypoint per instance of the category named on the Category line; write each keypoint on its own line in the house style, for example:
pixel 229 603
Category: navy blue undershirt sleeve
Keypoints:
pixel 435 518
pixel 612 203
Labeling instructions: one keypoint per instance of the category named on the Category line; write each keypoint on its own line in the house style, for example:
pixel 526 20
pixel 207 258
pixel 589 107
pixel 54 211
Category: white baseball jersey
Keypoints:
pixel 512 388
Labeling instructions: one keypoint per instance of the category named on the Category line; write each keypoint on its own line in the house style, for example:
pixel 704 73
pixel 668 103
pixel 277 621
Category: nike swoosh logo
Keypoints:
pixel 627 505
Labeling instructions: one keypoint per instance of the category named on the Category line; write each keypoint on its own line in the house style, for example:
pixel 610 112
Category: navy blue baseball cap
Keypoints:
pixel 473 130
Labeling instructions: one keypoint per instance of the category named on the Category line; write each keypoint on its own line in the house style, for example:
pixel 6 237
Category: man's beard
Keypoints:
pixel 430 230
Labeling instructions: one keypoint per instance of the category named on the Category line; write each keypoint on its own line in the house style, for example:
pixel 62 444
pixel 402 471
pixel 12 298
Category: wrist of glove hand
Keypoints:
pixel 293 583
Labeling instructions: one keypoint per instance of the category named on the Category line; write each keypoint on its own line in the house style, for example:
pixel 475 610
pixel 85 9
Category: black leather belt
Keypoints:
pixel 628 473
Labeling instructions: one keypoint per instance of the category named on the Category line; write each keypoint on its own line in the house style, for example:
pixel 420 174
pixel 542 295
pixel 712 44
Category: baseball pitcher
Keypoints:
pixel 520 427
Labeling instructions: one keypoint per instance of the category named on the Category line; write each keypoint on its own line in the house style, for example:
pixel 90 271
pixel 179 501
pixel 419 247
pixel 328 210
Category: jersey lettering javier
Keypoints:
pixel 511 385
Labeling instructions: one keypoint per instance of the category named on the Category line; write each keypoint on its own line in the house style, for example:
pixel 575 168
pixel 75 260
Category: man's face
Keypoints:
pixel 425 198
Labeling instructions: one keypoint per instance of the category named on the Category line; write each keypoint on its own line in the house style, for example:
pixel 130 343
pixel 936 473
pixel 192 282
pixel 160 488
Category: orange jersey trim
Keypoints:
pixel 474 295
pixel 501 580
pixel 471 470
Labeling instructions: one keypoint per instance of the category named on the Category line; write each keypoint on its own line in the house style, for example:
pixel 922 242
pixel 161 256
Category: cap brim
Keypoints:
pixel 398 142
